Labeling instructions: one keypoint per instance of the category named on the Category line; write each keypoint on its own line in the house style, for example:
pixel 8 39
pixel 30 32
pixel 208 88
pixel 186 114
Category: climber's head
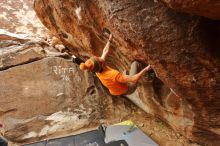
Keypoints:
pixel 88 65
pixel 93 64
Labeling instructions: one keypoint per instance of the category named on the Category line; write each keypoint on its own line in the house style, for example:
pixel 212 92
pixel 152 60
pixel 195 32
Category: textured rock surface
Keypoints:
pixel 18 16
pixel 46 99
pixel 207 8
pixel 38 98
pixel 41 96
pixel 183 50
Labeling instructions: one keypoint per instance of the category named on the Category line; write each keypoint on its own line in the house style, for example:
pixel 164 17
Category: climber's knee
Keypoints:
pixel 135 64
pixel 135 68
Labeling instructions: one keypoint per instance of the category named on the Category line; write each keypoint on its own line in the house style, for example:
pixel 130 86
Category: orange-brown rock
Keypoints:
pixel 182 49
pixel 43 97
pixel 206 8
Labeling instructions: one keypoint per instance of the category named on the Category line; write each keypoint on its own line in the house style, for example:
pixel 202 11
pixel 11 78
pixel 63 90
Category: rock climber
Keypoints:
pixel 116 82
pixel 3 141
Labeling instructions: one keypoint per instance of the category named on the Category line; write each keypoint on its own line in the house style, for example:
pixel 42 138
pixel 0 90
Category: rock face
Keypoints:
pixel 18 16
pixel 182 49
pixel 44 96
pixel 207 8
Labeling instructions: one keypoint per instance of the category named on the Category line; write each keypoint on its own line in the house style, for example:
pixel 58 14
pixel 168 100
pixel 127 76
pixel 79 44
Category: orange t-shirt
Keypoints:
pixel 112 79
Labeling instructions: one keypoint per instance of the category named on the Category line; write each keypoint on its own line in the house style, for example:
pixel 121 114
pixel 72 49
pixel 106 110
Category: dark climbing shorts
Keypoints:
pixel 131 89
pixel 3 142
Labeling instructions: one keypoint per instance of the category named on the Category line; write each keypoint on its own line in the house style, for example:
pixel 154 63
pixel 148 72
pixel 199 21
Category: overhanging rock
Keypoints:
pixel 183 50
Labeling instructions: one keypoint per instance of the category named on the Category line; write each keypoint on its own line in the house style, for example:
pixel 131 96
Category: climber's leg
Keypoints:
pixel 131 88
pixel 135 68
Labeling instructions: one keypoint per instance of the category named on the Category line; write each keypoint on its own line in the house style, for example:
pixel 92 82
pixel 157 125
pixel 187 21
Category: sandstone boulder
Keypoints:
pixel 183 50
pixel 18 16
pixel 44 96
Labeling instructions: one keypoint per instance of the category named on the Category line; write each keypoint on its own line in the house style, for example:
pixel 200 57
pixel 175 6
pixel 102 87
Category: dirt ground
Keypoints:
pixel 158 130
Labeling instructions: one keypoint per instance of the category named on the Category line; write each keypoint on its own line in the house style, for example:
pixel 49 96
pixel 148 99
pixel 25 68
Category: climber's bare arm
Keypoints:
pixel 136 77
pixel 106 49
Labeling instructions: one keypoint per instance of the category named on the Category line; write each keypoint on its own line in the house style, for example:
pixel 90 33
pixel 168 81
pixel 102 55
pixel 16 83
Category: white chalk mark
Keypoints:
pixel 60 94
pixel 55 71
pixel 78 13
pixel 63 72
